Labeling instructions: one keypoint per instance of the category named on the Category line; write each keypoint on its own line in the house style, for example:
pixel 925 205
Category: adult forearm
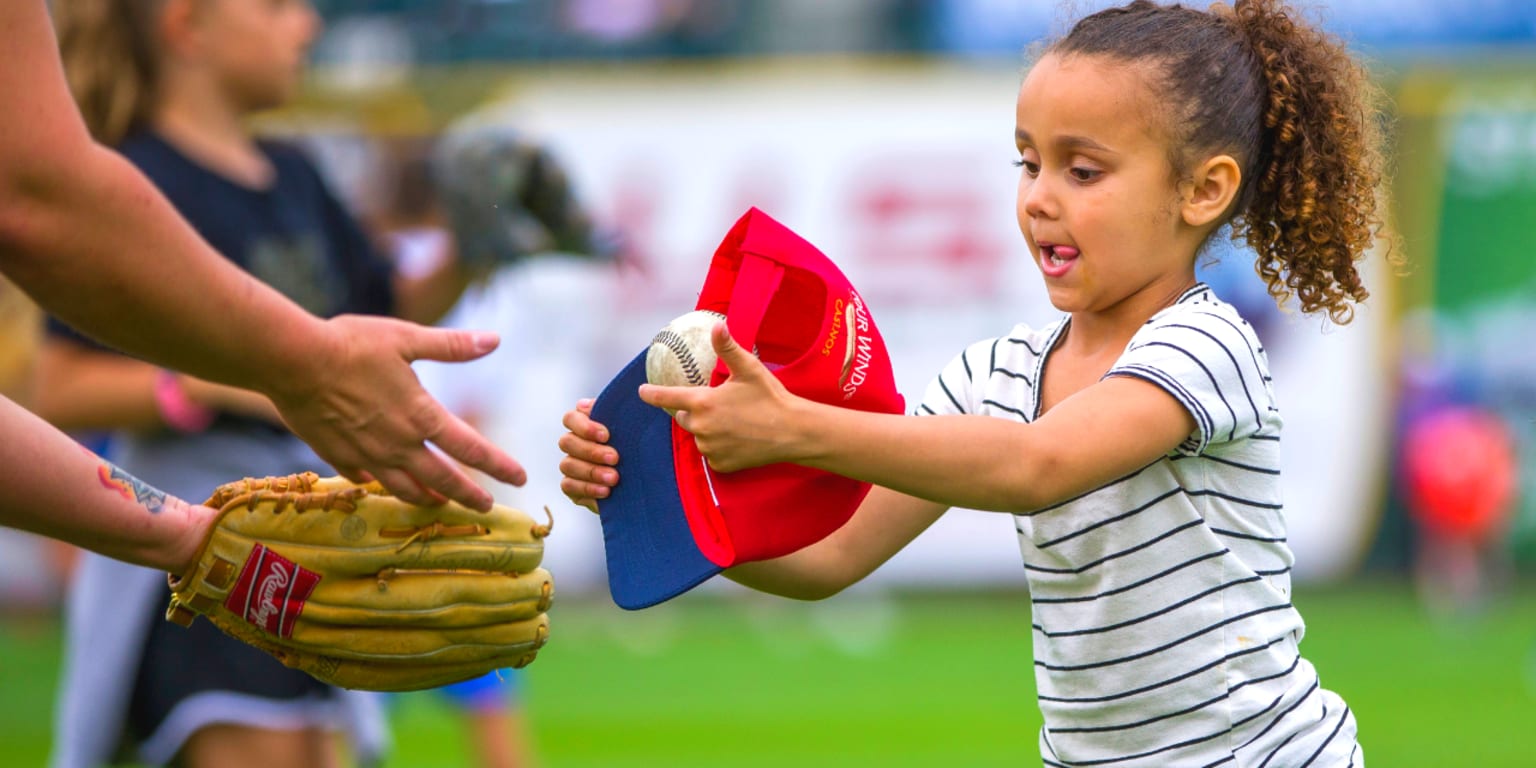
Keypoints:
pixel 99 247
pixel 54 487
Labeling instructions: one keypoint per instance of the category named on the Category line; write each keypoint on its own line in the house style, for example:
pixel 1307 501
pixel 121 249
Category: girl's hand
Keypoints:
pixel 588 464
pixel 747 421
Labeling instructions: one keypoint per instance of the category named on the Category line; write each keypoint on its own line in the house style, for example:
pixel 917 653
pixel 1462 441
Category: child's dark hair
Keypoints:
pixel 1295 110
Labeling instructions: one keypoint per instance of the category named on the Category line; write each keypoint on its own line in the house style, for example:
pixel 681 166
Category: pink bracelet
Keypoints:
pixel 178 411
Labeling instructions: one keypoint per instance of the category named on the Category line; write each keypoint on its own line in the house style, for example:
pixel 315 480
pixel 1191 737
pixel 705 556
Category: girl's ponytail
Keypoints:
pixel 1313 210
pixel 109 60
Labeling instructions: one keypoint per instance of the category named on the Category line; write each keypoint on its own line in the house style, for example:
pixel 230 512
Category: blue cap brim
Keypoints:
pixel 650 549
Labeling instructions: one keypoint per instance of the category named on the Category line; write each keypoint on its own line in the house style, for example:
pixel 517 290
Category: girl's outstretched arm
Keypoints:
pixel 886 522
pixel 1105 431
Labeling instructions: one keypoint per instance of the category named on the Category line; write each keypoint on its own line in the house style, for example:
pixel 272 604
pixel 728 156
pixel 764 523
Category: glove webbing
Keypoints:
pixel 294 491
pixel 303 482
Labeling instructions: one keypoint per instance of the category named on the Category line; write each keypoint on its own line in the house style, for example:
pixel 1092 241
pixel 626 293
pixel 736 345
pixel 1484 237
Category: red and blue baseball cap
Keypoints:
pixel 672 522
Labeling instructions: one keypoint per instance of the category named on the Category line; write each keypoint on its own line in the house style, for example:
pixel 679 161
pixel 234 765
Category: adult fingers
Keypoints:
pixel 353 473
pixel 400 483
pixel 460 441
pixel 447 345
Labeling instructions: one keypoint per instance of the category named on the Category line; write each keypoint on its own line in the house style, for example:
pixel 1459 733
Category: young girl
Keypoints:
pixel 1136 440
pixel 170 84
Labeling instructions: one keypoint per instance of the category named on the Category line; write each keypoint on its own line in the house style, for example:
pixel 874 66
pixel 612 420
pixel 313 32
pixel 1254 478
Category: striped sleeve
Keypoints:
pixel 957 388
pixel 1207 358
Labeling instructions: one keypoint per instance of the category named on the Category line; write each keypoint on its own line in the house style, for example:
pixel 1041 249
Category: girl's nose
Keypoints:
pixel 1037 197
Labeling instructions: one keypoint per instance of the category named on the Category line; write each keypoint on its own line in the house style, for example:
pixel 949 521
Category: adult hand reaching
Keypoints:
pixel 362 409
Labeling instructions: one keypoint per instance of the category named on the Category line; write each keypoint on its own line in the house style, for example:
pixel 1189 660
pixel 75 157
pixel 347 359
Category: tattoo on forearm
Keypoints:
pixel 133 489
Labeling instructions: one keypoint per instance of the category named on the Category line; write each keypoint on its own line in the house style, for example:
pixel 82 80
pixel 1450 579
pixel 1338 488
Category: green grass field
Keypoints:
pixel 917 680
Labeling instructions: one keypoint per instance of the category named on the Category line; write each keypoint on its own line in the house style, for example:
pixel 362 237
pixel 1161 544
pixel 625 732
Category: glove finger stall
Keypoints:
pixel 431 600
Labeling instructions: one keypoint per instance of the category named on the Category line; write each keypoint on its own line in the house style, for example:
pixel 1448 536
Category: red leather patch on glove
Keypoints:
pixel 271 591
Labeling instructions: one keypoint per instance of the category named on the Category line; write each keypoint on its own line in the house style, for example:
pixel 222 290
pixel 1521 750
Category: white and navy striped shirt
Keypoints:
pixel 1163 629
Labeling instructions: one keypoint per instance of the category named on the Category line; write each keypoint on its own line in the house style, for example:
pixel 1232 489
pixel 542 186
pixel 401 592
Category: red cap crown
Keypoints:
pixel 785 299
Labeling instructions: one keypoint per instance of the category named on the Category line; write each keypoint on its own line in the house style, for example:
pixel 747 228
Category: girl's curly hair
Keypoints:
pixel 1292 106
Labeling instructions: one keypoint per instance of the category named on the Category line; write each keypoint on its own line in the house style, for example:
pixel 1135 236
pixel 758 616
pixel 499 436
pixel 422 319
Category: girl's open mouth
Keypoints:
pixel 1055 259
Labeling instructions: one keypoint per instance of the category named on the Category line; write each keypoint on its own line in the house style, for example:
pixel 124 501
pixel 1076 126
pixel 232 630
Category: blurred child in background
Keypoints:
pixel 170 85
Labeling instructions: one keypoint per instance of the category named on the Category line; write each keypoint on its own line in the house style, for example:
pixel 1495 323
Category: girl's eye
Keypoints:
pixel 1030 167
pixel 1085 174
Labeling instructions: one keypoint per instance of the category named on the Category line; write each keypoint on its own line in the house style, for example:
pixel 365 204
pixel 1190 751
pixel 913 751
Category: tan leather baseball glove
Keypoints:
pixel 363 590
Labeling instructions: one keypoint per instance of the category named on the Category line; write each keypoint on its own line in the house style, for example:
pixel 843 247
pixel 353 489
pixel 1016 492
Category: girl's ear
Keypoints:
pixel 1210 190
pixel 177 25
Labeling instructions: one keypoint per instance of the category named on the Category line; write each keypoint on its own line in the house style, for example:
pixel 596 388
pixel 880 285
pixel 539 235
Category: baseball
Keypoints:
pixel 681 354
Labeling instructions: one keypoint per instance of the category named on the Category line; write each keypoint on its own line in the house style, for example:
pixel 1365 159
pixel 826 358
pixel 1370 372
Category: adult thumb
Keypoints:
pixel 450 345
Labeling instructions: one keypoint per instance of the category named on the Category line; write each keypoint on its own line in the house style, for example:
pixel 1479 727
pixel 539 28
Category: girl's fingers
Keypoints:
pixel 587 472
pixel 579 422
pixel 585 450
